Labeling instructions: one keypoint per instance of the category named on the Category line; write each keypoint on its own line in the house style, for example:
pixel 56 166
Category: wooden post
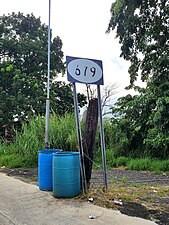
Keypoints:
pixel 90 136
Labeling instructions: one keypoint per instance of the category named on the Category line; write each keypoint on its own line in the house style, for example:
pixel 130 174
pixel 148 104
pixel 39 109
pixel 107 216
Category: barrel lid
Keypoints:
pixel 65 153
pixel 49 151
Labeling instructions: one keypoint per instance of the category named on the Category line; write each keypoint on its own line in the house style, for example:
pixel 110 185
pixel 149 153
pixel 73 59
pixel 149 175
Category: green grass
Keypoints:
pixel 148 165
pixel 140 164
pixel 15 161
pixel 111 160
pixel 62 135
pixel 63 132
pixel 23 152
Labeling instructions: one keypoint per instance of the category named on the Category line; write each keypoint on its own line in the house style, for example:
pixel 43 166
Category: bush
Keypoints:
pixel 63 135
pixel 148 164
pixel 24 151
pixel 122 161
pixel 111 159
pixel 15 161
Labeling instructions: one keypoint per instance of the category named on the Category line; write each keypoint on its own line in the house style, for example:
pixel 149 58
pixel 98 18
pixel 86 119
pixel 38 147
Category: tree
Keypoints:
pixel 23 70
pixel 143 32
pixel 142 28
pixel 131 116
pixel 108 96
pixel 24 43
pixel 13 102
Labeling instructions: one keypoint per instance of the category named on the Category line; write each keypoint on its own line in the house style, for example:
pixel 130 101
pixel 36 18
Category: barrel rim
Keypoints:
pixel 65 153
pixel 49 151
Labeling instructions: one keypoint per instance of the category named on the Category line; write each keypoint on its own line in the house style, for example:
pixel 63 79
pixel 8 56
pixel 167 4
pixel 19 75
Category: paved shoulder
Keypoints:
pixel 25 204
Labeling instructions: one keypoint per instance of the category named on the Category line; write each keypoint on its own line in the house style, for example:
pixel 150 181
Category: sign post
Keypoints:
pixel 83 174
pixel 87 71
pixel 102 138
pixel 48 85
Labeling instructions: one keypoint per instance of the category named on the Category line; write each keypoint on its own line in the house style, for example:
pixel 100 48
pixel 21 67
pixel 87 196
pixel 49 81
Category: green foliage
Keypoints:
pixel 114 162
pixel 63 132
pixel 142 119
pixel 28 141
pixel 140 164
pixel 16 161
pixel 158 134
pixel 24 43
pixel 111 159
pixel 31 139
pixel 121 161
pixel 142 27
pixel 23 70
pixel 141 126
pixel 63 135
pixel 118 5
pixel 148 164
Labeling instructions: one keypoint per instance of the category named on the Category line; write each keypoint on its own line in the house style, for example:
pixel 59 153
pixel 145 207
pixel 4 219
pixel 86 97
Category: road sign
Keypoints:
pixel 87 71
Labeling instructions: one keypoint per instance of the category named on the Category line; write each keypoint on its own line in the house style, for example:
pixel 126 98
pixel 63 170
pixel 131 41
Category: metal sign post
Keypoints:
pixel 102 137
pixel 48 85
pixel 87 71
pixel 83 174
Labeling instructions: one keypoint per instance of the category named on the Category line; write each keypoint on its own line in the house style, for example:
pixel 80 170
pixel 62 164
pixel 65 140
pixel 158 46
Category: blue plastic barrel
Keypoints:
pixel 45 168
pixel 66 174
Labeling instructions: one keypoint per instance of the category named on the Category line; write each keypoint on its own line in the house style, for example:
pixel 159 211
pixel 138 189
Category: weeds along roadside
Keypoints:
pixel 24 151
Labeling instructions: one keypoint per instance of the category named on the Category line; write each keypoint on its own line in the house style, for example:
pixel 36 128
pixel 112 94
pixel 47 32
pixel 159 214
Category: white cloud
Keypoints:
pixel 81 24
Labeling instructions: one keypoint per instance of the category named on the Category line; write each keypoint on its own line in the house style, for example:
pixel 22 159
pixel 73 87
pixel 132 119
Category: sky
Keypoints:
pixel 81 25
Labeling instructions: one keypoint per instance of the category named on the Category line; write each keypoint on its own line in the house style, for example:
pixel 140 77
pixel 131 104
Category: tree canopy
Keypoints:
pixel 24 43
pixel 23 69
pixel 143 31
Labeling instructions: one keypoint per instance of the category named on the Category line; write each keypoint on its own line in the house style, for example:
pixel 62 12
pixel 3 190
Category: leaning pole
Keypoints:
pixel 48 84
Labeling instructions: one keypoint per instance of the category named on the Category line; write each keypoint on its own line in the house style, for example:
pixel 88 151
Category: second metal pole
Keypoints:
pixel 102 137
pixel 83 174
pixel 48 85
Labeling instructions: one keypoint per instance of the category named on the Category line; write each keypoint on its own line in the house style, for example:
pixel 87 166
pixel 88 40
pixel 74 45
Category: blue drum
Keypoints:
pixel 66 174
pixel 45 168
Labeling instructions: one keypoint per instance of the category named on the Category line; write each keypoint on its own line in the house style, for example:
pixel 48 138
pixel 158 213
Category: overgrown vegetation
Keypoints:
pixel 31 139
pixel 23 152
pixel 141 125
pixel 23 71
pixel 140 164
pixel 137 136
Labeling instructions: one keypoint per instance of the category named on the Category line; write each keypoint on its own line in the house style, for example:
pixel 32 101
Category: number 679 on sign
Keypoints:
pixel 82 70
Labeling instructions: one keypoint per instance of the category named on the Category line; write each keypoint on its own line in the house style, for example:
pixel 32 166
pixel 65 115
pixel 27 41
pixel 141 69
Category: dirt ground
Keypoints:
pixel 140 194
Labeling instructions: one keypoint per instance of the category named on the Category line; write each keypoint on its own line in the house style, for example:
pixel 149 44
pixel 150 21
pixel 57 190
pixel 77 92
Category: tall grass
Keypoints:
pixel 139 164
pixel 29 140
pixel 63 135
pixel 63 132
pixel 147 164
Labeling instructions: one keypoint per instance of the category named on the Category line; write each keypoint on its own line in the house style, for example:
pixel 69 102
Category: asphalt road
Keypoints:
pixel 25 204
